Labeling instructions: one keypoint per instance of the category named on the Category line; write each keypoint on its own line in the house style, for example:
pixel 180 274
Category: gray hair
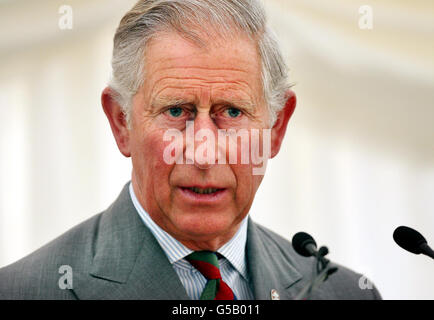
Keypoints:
pixel 224 17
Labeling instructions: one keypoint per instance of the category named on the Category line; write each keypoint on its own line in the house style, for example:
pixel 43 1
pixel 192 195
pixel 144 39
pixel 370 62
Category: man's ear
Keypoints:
pixel 279 127
pixel 117 121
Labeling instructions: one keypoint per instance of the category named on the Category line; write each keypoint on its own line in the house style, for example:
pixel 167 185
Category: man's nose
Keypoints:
pixel 205 150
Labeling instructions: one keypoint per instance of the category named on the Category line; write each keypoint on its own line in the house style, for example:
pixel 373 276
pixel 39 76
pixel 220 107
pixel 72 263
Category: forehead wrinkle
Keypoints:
pixel 197 87
pixel 201 61
pixel 231 94
pixel 187 74
pixel 178 90
pixel 201 67
pixel 200 80
pixel 218 79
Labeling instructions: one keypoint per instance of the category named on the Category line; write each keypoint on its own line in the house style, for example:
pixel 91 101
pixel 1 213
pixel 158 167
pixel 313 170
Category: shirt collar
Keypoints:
pixel 233 250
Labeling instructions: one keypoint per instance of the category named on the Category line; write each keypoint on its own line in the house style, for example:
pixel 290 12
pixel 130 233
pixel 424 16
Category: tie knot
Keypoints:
pixel 206 262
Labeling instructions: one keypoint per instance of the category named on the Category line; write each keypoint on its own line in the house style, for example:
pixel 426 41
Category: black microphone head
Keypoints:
pixel 299 242
pixel 409 239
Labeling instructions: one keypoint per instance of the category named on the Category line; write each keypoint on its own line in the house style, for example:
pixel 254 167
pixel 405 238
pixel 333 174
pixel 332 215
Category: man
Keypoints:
pixel 186 73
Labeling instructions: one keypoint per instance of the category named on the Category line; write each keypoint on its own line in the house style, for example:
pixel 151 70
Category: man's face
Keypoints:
pixel 219 87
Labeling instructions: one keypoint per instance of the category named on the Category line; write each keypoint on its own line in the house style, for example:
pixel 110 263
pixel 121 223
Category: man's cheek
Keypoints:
pixel 244 177
pixel 153 148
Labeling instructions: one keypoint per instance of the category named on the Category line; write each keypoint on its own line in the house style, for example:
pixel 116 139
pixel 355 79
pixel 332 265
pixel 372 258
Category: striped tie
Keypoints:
pixel 206 263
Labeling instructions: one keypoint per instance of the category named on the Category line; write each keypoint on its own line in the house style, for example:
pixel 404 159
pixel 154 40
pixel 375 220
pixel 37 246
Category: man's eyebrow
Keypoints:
pixel 241 103
pixel 163 101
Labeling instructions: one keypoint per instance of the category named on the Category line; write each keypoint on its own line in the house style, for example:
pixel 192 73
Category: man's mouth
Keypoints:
pixel 203 190
pixel 206 195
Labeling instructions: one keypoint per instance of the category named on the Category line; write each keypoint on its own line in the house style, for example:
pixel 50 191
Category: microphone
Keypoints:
pixel 412 241
pixel 305 245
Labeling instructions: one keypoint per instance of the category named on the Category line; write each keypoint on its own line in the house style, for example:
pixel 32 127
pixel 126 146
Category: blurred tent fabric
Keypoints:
pixel 358 159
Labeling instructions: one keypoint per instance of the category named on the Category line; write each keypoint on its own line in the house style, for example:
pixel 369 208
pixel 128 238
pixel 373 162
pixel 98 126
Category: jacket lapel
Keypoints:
pixel 269 267
pixel 127 262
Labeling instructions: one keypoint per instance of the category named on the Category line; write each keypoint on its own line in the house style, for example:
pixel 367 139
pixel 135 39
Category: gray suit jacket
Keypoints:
pixel 113 255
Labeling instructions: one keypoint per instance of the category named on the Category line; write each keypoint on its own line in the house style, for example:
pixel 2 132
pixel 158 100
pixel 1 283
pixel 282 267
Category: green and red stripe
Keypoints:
pixel 206 263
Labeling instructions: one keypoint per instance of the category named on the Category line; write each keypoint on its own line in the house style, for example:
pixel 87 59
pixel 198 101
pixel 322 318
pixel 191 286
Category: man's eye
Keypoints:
pixel 233 112
pixel 175 112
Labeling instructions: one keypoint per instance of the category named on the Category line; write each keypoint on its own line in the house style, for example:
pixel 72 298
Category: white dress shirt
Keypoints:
pixel 233 267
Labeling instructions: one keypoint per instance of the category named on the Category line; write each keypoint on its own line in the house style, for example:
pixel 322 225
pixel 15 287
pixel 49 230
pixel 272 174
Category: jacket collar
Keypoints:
pixel 127 263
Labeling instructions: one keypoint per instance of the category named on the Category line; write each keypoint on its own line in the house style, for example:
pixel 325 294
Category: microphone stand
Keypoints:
pixel 320 272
